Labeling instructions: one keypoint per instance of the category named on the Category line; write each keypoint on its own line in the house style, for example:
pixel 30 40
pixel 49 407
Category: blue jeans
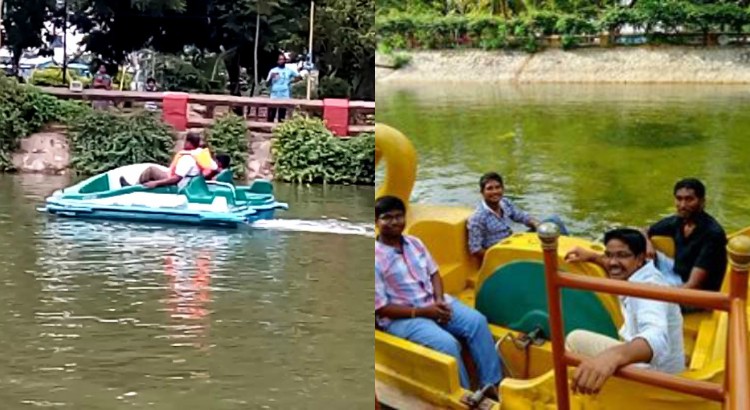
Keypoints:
pixel 466 323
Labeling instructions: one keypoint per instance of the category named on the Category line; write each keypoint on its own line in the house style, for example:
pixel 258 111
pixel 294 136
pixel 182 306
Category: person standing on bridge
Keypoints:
pixel 280 80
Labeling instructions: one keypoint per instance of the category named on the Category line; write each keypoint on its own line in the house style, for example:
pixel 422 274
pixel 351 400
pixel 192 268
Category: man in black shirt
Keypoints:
pixel 700 259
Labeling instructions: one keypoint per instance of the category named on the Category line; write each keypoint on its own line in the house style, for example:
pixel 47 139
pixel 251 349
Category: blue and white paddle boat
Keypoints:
pixel 200 202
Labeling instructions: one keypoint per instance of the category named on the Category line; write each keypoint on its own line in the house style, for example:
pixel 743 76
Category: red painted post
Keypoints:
pixel 549 233
pixel 336 115
pixel 175 110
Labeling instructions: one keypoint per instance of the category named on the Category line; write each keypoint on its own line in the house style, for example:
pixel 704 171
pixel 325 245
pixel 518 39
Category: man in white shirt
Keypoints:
pixel 189 163
pixel 652 330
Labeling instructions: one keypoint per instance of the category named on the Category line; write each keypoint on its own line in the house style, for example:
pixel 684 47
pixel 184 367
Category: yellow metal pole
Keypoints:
pixel 310 48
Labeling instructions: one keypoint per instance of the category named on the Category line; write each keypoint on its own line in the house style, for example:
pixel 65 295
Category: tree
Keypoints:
pixel 344 33
pixel 344 43
pixel 24 25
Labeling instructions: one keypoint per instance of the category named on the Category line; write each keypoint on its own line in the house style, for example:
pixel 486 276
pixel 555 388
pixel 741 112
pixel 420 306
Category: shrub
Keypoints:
pixel 100 141
pixel 52 77
pixel 401 60
pixel 228 135
pixel 24 110
pixel 333 87
pixel 305 151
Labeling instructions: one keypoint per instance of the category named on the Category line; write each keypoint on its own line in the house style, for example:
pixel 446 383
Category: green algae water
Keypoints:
pixel 596 155
pixel 104 315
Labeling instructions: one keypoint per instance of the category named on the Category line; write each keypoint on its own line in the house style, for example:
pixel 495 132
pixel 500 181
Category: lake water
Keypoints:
pixel 101 315
pixel 596 155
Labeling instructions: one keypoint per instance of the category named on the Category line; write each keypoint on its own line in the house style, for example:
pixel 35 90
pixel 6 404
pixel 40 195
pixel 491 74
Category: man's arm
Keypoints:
pixel 533 223
pixel 437 287
pixel 591 374
pixel 714 247
pixel 650 341
pixel 475 234
pixel 650 250
pixel 435 312
pixel 697 278
pixel 579 254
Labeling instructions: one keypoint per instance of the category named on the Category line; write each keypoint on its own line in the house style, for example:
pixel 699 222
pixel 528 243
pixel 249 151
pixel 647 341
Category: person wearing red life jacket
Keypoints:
pixel 193 161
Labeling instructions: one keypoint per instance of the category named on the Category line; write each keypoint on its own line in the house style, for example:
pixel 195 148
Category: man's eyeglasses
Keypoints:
pixel 618 255
pixel 388 218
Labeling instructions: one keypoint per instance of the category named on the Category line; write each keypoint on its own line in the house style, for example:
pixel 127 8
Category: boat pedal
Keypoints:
pixel 485 404
pixel 479 399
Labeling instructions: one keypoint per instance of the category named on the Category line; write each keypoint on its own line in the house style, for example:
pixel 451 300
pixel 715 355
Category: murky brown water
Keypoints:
pixel 122 316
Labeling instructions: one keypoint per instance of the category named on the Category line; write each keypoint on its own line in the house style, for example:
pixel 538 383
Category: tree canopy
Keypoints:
pixel 344 31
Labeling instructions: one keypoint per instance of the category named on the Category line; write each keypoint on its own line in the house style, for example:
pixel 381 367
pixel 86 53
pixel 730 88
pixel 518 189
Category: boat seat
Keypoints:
pixel 197 191
pixel 515 297
pixel 261 186
pixel 226 176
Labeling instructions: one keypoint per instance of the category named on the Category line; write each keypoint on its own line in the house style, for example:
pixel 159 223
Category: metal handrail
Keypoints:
pixel 734 394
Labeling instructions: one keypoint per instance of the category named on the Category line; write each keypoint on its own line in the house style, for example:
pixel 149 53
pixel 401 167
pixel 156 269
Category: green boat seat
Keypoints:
pixel 197 191
pixel 515 297
pixel 96 185
pixel 261 186
pixel 226 176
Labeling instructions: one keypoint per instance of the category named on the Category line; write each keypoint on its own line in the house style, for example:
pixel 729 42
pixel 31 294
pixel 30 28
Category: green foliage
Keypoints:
pixel 306 152
pixel 101 141
pixel 228 135
pixel 401 60
pixel 25 110
pixel 661 20
pixel 333 87
pixel 174 73
pixel 52 77
pixel 23 22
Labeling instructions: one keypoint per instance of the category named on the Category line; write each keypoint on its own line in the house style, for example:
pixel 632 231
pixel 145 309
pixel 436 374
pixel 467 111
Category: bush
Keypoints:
pixel 100 141
pixel 52 77
pixel 305 151
pixel 25 110
pixel 333 87
pixel 401 60
pixel 228 135
pixel 175 74
pixel 432 31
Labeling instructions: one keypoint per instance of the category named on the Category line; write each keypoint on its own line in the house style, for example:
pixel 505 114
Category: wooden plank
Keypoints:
pixel 205 99
pixel 358 129
pixel 269 126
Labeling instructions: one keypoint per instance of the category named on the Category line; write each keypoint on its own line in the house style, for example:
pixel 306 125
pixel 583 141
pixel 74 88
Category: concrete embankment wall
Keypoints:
pixel 48 152
pixel 717 65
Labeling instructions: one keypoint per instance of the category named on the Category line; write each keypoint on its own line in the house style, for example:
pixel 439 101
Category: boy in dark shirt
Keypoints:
pixel 700 259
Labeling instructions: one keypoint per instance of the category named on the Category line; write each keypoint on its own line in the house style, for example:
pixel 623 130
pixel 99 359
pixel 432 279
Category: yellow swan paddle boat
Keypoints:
pixel 509 288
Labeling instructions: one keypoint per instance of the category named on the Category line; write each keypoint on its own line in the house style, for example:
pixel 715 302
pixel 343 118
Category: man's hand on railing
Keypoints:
pixel 590 376
pixel 579 254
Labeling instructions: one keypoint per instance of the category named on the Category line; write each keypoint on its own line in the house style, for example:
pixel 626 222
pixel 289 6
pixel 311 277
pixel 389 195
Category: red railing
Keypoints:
pixel 735 394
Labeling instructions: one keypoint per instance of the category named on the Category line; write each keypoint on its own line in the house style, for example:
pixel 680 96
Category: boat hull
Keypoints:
pixel 103 197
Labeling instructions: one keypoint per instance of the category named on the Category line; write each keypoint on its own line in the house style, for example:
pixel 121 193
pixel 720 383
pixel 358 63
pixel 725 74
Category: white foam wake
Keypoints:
pixel 319 226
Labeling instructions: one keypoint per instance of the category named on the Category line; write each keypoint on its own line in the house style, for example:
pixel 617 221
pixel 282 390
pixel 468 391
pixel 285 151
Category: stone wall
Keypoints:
pixel 47 152
pixel 713 65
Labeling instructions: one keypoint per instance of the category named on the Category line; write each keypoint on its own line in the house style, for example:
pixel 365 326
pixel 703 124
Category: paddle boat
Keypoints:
pixel 218 202
pixel 512 287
